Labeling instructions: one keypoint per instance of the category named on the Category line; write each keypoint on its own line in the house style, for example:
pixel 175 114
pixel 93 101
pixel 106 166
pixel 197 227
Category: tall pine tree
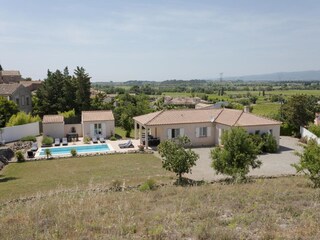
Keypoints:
pixel 83 84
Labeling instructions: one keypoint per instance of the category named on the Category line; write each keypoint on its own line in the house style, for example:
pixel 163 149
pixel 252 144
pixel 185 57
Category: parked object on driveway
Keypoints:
pixel 64 141
pixel 57 141
pixel 126 145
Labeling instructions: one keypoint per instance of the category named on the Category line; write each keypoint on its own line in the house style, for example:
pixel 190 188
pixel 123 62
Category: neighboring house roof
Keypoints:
pixel 53 119
pixel 229 117
pixel 10 73
pixel 89 116
pixel 8 88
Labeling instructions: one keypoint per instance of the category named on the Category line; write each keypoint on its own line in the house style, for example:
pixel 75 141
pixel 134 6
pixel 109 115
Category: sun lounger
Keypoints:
pixel 57 141
pixel 34 147
pixel 64 141
pixel 30 154
pixel 102 140
pixel 94 140
pixel 126 145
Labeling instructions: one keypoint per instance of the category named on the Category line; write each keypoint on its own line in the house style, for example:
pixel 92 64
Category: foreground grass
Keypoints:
pixel 285 208
pixel 28 178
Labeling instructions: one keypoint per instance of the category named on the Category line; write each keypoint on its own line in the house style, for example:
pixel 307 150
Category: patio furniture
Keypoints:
pixel 126 145
pixel 94 140
pixel 34 147
pixel 102 140
pixel 64 141
pixel 31 154
pixel 57 141
pixel 152 141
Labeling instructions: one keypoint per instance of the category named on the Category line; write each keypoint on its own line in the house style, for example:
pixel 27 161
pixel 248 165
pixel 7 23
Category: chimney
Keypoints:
pixel 246 109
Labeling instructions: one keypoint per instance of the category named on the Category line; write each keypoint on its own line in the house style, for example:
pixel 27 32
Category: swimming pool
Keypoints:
pixel 98 148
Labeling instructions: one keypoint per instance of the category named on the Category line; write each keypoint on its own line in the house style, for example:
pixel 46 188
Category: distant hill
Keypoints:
pixel 280 76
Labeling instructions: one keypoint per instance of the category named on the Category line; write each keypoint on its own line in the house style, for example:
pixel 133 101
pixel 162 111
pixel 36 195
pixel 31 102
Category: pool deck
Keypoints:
pixel 114 147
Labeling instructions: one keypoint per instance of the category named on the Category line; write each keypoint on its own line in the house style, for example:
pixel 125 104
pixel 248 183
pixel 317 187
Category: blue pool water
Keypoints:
pixel 80 149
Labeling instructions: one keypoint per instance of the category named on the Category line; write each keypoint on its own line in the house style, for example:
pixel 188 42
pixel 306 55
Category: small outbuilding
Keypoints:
pixel 98 123
pixel 53 126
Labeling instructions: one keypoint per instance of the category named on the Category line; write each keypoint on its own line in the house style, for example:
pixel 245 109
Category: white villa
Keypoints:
pixel 204 127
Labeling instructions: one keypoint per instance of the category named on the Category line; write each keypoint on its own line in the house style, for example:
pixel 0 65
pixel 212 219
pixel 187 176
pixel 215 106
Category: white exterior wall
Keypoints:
pixel 10 134
pixel 55 130
pixel 189 130
pixel 306 133
pixel 220 128
pixel 78 128
pixel 108 128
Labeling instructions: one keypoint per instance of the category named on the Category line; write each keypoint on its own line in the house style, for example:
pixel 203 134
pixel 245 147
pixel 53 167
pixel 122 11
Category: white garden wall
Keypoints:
pixel 306 133
pixel 10 134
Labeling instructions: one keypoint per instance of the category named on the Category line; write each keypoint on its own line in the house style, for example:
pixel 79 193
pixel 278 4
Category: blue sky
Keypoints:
pixel 159 40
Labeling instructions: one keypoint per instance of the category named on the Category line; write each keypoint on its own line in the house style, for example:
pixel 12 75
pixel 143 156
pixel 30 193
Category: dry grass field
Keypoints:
pixel 283 208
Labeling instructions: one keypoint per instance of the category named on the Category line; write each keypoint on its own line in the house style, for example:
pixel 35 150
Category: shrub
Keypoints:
pixel 315 129
pixel 22 118
pixel 86 139
pixel 73 152
pixel 309 163
pixel 258 141
pixel 68 114
pixel 47 141
pixel 112 138
pixel 116 185
pixel 286 130
pixel 29 138
pixel 269 143
pixel 150 184
pixel 20 156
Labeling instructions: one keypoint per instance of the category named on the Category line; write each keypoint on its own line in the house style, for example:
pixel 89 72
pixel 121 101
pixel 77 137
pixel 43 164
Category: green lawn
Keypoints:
pixel 29 178
pixel 122 133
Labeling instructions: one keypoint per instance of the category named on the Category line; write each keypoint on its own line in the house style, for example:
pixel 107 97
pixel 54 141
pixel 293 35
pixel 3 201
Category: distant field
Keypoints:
pixel 28 178
pixel 266 109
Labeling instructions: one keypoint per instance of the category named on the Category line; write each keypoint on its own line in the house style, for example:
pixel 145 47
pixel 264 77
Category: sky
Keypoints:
pixel 159 40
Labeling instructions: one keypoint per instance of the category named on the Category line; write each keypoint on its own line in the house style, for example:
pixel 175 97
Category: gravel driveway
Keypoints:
pixel 272 164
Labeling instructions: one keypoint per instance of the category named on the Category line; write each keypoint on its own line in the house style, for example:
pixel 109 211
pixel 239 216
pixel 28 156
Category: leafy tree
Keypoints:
pixel 22 118
pixel 83 85
pixel 7 109
pixel 68 114
pixel 237 155
pixel 299 110
pixel 309 163
pixel 176 158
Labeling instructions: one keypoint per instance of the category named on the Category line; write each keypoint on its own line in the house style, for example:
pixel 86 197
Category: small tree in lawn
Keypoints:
pixel 309 163
pixel 176 158
pixel 238 154
pixel 47 152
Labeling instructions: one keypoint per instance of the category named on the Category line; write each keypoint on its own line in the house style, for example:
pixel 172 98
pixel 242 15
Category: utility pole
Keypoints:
pixel 221 76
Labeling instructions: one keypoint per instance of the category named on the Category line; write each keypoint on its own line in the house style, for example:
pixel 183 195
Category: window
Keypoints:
pixel 270 131
pixel 203 132
pixel 257 132
pixel 97 129
pixel 17 101
pixel 27 101
pixel 175 132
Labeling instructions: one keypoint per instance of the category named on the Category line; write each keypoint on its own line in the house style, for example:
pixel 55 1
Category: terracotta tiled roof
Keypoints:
pixel 10 73
pixel 88 116
pixel 52 119
pixel 249 119
pixel 8 89
pixel 178 116
pixel 230 117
